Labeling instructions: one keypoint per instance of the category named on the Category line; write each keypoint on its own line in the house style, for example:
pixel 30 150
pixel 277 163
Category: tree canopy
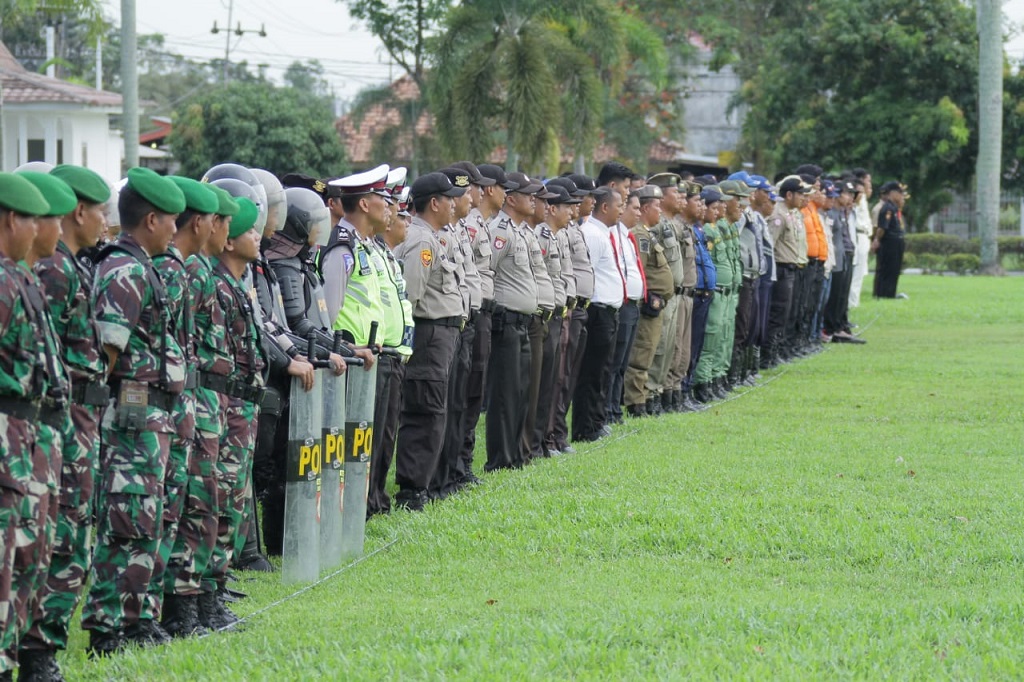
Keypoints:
pixel 259 125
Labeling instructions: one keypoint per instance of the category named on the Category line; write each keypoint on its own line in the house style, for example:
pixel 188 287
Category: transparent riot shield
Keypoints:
pixel 301 555
pixel 333 462
pixel 362 389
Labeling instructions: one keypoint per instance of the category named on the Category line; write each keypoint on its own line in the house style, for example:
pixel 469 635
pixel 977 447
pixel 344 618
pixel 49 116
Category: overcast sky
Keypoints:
pixel 311 29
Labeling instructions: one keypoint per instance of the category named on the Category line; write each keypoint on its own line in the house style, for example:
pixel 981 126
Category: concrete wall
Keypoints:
pixel 81 137
pixel 709 129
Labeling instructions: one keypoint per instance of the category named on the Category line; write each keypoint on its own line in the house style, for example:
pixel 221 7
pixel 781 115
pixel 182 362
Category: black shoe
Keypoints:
pixel 469 478
pixel 604 431
pixel 688 404
pixel 102 644
pixel 146 633
pixel 181 616
pixel 702 394
pixel 254 562
pixel 411 500
pixel 636 411
pixel 718 389
pixel 38 665
pixel 654 407
pixel 226 594
pixel 213 614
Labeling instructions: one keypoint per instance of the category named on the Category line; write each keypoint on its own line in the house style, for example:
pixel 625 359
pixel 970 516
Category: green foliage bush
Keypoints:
pixel 909 261
pixel 931 262
pixel 937 244
pixel 962 263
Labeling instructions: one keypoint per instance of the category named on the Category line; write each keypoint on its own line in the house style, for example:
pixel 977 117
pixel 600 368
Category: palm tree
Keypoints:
pixel 533 70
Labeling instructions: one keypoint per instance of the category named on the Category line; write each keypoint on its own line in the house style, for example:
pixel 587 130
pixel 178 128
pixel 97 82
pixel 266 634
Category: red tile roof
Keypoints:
pixel 21 86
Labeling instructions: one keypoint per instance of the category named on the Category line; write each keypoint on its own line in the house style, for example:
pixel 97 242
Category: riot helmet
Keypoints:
pixel 233 171
pixel 277 208
pixel 306 214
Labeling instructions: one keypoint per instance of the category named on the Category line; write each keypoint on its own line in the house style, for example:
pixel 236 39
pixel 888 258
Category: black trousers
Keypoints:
pixel 764 306
pixel 888 262
pixel 449 466
pixel 782 304
pixel 839 298
pixel 701 308
pixel 575 346
pixel 386 408
pixel 536 334
pixel 552 356
pixel 590 399
pixel 424 401
pixel 508 383
pixel 476 382
pixel 746 315
pixel 625 335
pixel 815 282
pixel 801 289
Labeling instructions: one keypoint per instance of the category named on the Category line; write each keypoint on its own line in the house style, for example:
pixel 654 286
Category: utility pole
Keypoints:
pixel 129 84
pixel 990 130
pixel 238 31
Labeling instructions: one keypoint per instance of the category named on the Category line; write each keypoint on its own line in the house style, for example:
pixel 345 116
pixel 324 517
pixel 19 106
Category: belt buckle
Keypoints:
pixel 462 325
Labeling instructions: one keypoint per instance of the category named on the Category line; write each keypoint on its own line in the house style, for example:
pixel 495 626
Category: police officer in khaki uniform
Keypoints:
pixel 515 299
pixel 576 321
pixel 660 290
pixel 439 312
pixel 486 199
pixel 448 475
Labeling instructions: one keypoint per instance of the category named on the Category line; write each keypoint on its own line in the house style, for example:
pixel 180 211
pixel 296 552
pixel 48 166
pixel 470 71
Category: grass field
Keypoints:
pixel 857 516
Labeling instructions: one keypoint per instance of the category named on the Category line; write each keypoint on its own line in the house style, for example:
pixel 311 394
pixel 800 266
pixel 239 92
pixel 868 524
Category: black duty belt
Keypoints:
pixel 703 293
pixel 456 321
pixel 230 387
pixel 543 315
pixel 512 317
pixel 559 311
pixel 90 393
pixel 685 291
pixel 603 306
pixel 582 302
pixel 19 408
pixel 473 316
pixel 488 306
pixel 724 291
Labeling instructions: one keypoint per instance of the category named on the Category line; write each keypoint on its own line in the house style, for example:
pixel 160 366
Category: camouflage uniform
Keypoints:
pixel 234 463
pixel 133 316
pixel 171 266
pixel 28 495
pixel 68 287
pixel 197 532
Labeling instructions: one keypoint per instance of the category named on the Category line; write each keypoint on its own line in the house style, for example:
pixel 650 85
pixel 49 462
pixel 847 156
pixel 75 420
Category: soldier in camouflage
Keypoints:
pixel 28 472
pixel 67 284
pixel 147 374
pixel 245 392
pixel 197 530
pixel 194 226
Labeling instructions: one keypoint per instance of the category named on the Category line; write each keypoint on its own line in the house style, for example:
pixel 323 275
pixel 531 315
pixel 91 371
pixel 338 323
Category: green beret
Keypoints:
pixel 86 184
pixel 198 196
pixel 21 196
pixel 228 205
pixel 245 220
pixel 157 190
pixel 58 194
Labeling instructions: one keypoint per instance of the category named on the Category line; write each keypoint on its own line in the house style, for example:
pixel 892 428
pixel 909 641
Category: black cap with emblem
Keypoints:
pixel 458 176
pixel 475 176
pixel 497 173
pixel 433 184
pixel 304 181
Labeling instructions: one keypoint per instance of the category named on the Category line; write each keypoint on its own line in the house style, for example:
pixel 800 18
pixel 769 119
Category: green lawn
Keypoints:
pixel 857 516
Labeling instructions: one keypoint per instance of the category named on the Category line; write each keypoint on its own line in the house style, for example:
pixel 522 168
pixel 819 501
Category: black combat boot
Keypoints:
pixel 38 665
pixel 103 644
pixel 251 558
pixel 668 403
pixel 718 388
pixel 146 633
pixel 213 614
pixel 654 406
pixel 688 404
pixel 181 616
pixel 636 411
pixel 702 393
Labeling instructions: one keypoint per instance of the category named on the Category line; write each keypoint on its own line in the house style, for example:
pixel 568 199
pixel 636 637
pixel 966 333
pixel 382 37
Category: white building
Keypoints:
pixel 712 129
pixel 51 120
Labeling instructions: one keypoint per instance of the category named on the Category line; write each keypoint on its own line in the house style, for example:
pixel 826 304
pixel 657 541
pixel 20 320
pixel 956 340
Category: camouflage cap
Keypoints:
pixel 86 184
pixel 56 192
pixel 21 196
pixel 735 188
pixel 198 196
pixel 156 189
pixel 245 220
pixel 664 180
pixel 228 206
